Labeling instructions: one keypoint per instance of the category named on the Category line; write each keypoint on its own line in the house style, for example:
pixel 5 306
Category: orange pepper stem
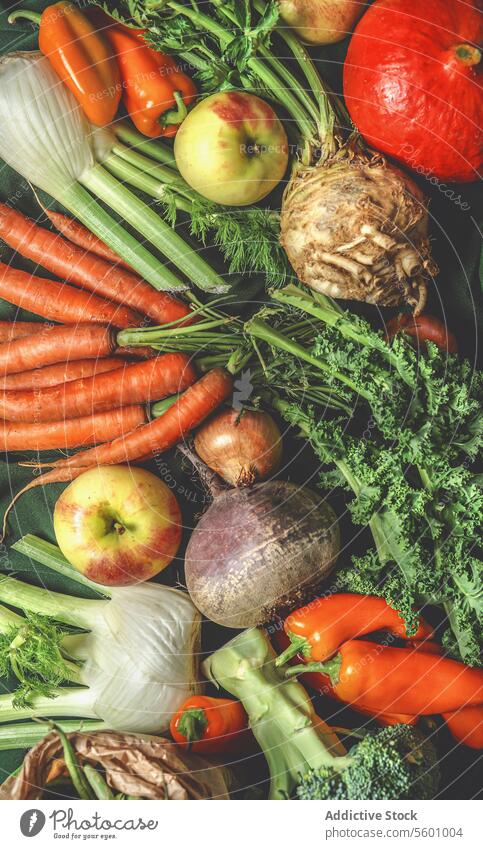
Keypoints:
pixel 192 724
pixel 328 667
pixel 298 645
pixel 24 15
pixel 174 116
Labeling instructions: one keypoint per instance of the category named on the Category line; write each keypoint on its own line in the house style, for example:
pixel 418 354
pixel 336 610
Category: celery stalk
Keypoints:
pixel 50 555
pixel 155 230
pixel 59 606
pixel 84 207
pixel 24 735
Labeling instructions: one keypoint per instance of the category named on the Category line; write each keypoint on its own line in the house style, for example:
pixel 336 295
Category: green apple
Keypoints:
pixel 232 148
pixel 118 525
pixel 321 21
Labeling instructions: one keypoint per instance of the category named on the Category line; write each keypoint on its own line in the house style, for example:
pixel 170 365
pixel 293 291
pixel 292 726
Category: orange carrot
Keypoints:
pixel 137 352
pixel 187 412
pixel 60 302
pixel 73 264
pixel 59 373
pixel 130 384
pixel 56 345
pixel 71 433
pixel 10 330
pixel 75 232
pixel 191 408
pixel 16 329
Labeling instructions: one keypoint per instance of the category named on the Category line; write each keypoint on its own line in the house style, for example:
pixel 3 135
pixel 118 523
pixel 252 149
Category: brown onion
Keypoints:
pixel 241 447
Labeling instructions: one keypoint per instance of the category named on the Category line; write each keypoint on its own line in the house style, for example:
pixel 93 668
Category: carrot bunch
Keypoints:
pixel 69 385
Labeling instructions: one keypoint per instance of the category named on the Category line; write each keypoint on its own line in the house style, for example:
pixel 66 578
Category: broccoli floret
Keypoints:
pixel 305 757
pixel 397 762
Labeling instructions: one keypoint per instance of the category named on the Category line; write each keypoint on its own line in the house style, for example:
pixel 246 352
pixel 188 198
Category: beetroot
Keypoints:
pixel 257 552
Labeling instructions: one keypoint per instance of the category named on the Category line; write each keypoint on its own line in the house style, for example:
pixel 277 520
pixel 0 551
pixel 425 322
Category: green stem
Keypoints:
pixel 384 550
pixel 327 311
pixel 138 179
pixel 73 702
pixel 97 783
pixel 192 724
pixel 128 173
pixel 154 149
pixel 298 645
pixel 261 330
pixel 51 556
pixel 328 667
pixel 160 407
pixel 24 15
pixel 160 172
pixel 157 335
pixel 64 608
pixel 272 81
pixel 9 619
pixel 24 735
pixel 174 116
pixel 153 228
pixel 89 212
pixel 291 81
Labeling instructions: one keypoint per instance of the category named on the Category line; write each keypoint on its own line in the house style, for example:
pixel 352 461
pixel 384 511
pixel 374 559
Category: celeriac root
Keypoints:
pixel 358 228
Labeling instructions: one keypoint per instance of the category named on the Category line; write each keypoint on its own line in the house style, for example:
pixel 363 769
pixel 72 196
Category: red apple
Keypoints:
pixel 232 148
pixel 118 525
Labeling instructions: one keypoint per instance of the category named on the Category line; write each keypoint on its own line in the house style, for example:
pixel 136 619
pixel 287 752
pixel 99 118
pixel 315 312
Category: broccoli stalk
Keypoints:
pixel 305 757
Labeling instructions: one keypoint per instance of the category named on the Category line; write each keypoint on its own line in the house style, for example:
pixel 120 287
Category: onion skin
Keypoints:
pixel 321 21
pixel 357 228
pixel 241 447
pixel 260 552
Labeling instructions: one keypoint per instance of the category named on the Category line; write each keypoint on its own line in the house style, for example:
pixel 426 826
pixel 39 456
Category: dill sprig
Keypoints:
pixel 31 653
pixel 248 239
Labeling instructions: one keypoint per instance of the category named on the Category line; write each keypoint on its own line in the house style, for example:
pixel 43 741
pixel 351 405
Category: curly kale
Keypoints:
pixel 404 452
pixel 397 762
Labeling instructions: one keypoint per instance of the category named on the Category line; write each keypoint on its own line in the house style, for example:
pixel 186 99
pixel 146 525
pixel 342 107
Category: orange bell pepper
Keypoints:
pixel 380 679
pixel 466 725
pixel 210 725
pixel 81 56
pixel 317 630
pixel 156 91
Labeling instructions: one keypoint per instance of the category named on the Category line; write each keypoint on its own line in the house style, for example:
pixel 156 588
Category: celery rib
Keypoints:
pixel 156 230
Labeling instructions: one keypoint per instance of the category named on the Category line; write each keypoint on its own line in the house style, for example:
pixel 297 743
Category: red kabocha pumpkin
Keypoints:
pixel 413 84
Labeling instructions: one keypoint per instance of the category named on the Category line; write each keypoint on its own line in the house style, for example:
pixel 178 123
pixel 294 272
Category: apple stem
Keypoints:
pixel 119 528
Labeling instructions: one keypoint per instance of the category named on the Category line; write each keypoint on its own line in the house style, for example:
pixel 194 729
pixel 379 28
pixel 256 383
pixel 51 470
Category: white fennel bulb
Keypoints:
pixel 137 661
